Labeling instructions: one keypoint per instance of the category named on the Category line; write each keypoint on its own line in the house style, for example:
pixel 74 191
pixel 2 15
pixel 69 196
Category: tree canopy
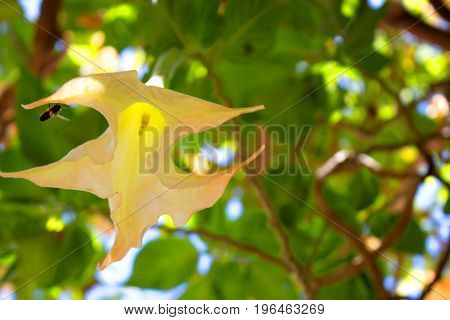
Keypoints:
pixel 349 201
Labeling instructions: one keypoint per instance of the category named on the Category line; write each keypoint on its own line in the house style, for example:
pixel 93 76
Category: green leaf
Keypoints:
pixel 200 288
pixel 424 124
pixel 447 206
pixel 342 207
pixel 18 220
pixel 78 257
pixel 49 258
pixel 19 189
pixel 85 124
pixel 225 280
pixel 167 63
pixel 380 222
pixel 229 280
pixel 164 264
pixel 363 189
pixel 252 228
pixel 373 62
pixel 412 240
pixel 251 28
pixel 180 15
pixel 355 288
pixel 268 282
pixel 361 30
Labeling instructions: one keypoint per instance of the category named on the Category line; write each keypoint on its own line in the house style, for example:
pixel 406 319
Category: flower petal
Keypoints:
pixel 113 165
pixel 141 211
pixel 81 169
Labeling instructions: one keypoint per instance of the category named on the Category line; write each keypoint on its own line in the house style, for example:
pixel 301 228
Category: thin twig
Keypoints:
pixel 398 229
pixel 439 270
pixel 399 18
pixel 403 108
pixel 298 269
pixel 333 165
pixel 239 246
pixel 352 236
pixel 316 245
pixel 400 226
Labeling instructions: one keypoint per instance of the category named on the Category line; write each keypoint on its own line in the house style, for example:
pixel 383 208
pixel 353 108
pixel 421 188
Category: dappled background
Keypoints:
pixel 365 216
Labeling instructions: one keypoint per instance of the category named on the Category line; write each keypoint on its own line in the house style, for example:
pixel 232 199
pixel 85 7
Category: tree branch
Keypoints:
pixel 352 236
pixel 7 109
pixel 44 59
pixel 441 87
pixel 298 269
pixel 399 18
pixel 239 246
pixel 439 270
pixel 441 8
pixel 400 226
pixel 398 229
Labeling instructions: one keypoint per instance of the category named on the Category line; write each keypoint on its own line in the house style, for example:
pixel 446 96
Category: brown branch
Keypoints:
pixel 441 87
pixel 349 160
pixel 44 59
pixel 295 266
pixel 441 8
pixel 390 239
pixel 351 235
pixel 298 269
pixel 7 109
pixel 416 141
pixel 392 236
pixel 400 226
pixel 397 230
pixel 326 212
pixel 403 109
pixel 399 18
pixel 432 170
pixel 406 110
pixel 387 147
pixel 239 246
pixel 443 260
pixel 356 266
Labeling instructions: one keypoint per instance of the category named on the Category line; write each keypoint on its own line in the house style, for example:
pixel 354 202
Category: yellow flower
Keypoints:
pixel 114 166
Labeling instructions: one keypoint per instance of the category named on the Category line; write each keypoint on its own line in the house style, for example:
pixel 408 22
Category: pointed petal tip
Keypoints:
pixel 37 103
pixel 122 244
pixel 26 106
pixel 7 174
pixel 105 263
pixel 133 71
pixel 253 109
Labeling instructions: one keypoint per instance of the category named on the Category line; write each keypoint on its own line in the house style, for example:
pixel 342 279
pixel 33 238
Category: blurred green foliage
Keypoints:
pixel 327 64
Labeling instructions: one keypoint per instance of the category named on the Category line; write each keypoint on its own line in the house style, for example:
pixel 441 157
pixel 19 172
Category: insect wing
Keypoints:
pixel 55 108
pixel 63 118
pixel 45 116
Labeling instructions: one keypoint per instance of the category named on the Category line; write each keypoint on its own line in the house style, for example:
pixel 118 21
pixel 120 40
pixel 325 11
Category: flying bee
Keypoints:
pixel 53 110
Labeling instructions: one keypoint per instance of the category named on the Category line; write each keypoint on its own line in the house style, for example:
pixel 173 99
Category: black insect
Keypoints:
pixel 53 110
